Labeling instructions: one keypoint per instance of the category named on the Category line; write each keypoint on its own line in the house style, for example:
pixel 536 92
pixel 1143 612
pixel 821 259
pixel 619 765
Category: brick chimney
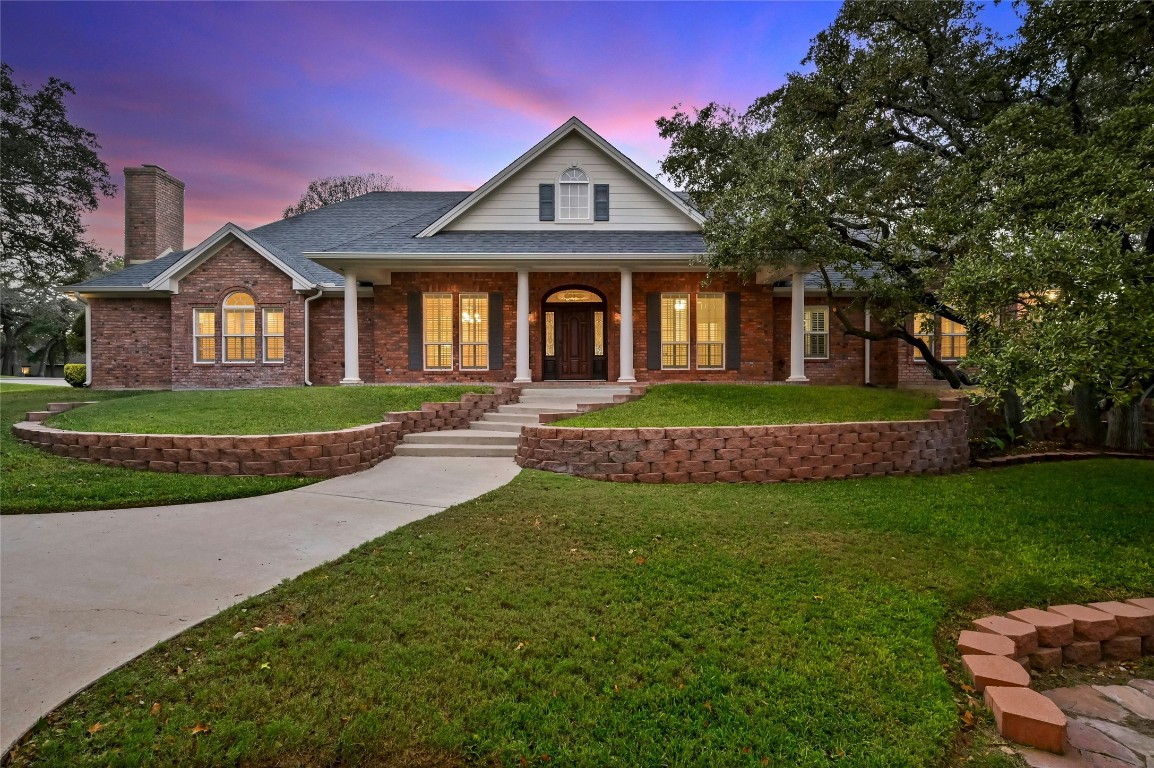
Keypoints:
pixel 153 213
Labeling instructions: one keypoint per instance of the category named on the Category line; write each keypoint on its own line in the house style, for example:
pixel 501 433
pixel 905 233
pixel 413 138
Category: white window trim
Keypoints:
pixel 484 297
pixel 265 336
pixel 806 334
pixel 424 327
pixel 724 331
pixel 197 336
pixel 225 335
pixel 589 197
pixel 688 334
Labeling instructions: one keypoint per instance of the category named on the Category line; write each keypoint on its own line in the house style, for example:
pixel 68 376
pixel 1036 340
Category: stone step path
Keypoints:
pixel 497 433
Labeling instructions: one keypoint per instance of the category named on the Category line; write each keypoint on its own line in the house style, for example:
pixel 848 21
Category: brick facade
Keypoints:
pixel 153 213
pixel 131 343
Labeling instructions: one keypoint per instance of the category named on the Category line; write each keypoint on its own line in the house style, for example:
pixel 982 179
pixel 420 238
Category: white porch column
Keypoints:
pixel 352 341
pixel 626 376
pixel 797 329
pixel 523 374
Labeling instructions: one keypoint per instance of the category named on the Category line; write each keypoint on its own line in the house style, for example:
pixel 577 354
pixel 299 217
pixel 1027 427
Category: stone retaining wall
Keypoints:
pixel 753 454
pixel 307 454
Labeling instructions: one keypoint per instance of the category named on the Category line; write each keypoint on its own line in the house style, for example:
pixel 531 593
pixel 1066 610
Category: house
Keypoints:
pixel 572 263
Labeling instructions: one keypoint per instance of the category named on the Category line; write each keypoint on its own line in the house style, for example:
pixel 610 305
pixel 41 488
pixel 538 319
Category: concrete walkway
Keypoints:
pixel 81 593
pixel 42 381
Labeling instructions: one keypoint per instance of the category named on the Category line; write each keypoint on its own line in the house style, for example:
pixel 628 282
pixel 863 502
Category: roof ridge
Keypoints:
pixel 391 226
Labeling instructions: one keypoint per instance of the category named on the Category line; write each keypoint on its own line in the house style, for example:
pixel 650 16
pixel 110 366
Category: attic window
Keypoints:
pixel 573 197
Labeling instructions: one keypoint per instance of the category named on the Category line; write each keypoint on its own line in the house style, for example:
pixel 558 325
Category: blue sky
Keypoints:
pixel 246 102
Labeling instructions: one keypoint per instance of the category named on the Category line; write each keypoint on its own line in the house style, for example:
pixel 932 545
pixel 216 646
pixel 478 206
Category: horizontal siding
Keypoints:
pixel 632 205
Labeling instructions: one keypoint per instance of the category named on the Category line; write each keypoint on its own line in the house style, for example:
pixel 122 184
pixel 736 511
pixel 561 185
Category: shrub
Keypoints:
pixel 75 374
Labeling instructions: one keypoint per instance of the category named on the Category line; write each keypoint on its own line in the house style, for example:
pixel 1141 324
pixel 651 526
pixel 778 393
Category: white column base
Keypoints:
pixel 626 380
pixel 798 380
pixel 351 381
pixel 522 381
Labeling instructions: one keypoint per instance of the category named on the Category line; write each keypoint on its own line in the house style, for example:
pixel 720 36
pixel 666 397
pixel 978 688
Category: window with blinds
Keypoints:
pixel 953 336
pixel 711 330
pixel 273 334
pixel 239 329
pixel 474 331
pixel 924 330
pixel 438 321
pixel 675 330
pixel 204 335
pixel 817 333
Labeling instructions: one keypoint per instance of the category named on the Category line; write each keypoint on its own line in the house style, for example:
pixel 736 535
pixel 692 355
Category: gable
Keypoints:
pixel 513 204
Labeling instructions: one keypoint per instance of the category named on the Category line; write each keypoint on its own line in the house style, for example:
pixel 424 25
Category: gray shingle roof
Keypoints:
pixel 386 222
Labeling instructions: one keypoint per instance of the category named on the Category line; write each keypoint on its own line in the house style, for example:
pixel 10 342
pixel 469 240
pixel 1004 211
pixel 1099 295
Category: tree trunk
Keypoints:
pixel 1124 431
pixel 45 356
pixel 1012 414
pixel 1088 427
pixel 8 364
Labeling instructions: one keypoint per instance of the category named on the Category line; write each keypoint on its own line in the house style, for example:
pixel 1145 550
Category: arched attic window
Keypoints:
pixel 573 197
pixel 239 328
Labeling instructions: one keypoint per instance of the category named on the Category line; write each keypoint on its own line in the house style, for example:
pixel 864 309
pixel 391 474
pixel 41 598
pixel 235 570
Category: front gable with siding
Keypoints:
pixel 500 284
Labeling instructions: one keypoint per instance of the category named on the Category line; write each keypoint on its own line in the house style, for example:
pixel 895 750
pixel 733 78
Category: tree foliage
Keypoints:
pixel 938 168
pixel 50 176
pixel 334 189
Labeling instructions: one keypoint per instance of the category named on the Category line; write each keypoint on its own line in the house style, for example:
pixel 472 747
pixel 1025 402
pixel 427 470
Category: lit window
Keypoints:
pixel 474 331
pixel 711 330
pixel 550 334
pixel 274 335
pixel 817 333
pixel 573 197
pixel 953 340
pixel 239 328
pixel 438 313
pixel 204 335
pixel 598 333
pixel 924 330
pixel 675 330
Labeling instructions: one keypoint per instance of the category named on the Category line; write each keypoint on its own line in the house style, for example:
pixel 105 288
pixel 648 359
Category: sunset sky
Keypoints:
pixel 246 102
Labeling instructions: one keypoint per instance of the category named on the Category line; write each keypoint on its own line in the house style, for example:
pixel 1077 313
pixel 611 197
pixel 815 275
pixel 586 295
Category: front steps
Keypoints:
pixel 497 433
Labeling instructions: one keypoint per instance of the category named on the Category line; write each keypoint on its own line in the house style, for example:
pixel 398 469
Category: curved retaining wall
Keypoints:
pixel 755 454
pixel 307 454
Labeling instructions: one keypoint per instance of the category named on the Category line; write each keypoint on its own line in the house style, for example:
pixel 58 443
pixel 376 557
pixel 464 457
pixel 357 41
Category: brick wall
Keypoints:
pixel 753 454
pixel 131 343
pixel 306 454
pixel 327 340
pixel 153 213
pixel 846 363
pixel 236 267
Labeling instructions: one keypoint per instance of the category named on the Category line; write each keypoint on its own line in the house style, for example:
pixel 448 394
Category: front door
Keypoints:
pixel 575 342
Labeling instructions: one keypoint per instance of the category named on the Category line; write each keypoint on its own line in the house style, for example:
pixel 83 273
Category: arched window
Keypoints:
pixel 239 328
pixel 573 200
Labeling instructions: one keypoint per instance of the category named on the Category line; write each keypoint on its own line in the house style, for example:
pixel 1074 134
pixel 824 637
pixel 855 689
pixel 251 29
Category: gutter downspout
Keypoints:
pixel 867 347
pixel 87 339
pixel 317 295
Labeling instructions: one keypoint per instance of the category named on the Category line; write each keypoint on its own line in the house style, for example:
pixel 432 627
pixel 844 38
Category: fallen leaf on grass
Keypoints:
pixel 258 629
pixel 519 646
pixel 967 688
pixel 641 561
pixel 265 665
pixel 199 728
pixel 155 708
pixel 179 671
pixel 968 719
pixel 95 728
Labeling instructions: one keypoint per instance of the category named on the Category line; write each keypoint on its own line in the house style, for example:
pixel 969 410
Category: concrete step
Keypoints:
pixel 539 407
pixel 512 428
pixel 575 395
pixel 511 418
pixel 454 449
pixel 462 437
pixel 60 407
pixel 37 415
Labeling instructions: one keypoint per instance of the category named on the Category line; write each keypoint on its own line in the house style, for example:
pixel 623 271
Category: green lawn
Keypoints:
pixel 34 481
pixel 255 411
pixel 562 621
pixel 722 405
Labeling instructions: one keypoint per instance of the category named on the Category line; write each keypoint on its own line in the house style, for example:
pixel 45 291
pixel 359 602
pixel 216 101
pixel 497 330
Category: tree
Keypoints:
pixel 841 168
pixel 50 176
pixel 334 189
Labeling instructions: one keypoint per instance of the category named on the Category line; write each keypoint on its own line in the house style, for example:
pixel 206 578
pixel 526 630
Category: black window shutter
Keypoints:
pixel 496 332
pixel 653 331
pixel 545 201
pixel 733 331
pixel 416 341
pixel 601 202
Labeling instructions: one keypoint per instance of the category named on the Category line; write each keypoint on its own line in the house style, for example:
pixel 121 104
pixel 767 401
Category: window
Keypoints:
pixel 438 314
pixel 274 334
pixel 573 197
pixel 598 333
pixel 675 330
pixel 550 334
pixel 953 340
pixel 816 333
pixel 924 330
pixel 239 328
pixel 711 330
pixel 474 331
pixel 204 335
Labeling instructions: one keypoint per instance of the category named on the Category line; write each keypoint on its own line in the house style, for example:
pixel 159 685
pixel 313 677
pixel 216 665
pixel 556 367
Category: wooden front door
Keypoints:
pixel 575 342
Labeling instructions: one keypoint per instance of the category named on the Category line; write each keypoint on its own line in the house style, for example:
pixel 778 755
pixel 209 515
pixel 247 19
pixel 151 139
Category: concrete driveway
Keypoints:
pixel 81 593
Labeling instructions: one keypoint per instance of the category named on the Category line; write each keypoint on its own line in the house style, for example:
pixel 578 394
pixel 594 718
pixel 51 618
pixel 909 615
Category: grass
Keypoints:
pixel 254 411
pixel 35 481
pixel 721 405
pixel 562 621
